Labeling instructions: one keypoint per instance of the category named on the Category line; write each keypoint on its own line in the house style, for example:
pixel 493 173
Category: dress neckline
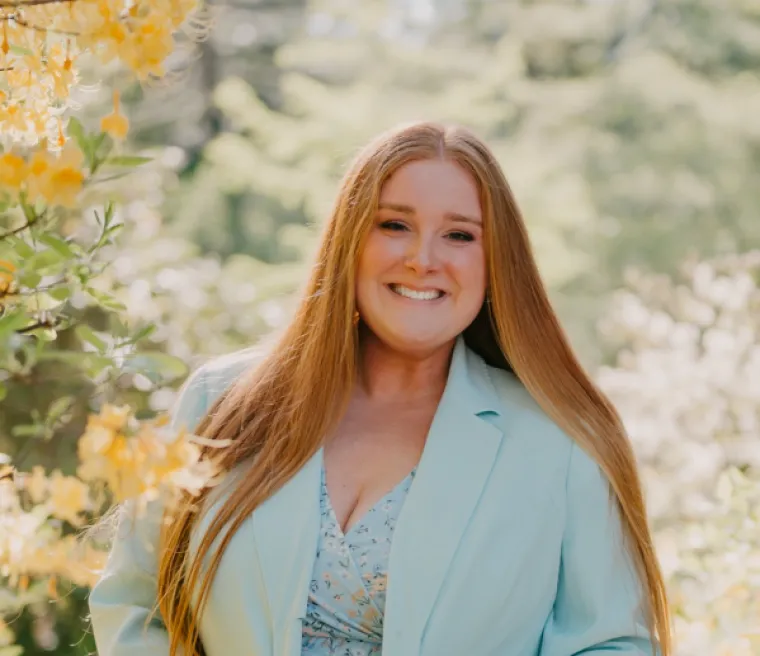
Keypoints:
pixel 358 522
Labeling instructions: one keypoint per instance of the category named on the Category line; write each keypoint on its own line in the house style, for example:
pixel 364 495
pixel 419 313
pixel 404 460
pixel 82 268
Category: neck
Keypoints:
pixel 387 374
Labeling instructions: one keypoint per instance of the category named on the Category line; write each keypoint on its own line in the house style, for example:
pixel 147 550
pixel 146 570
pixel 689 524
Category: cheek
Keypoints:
pixel 470 273
pixel 371 257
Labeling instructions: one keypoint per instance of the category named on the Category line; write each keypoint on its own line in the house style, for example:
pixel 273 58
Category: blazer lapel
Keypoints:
pixel 286 532
pixel 460 451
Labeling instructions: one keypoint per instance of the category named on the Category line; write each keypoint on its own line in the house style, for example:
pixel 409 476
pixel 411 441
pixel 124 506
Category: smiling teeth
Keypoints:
pixel 429 295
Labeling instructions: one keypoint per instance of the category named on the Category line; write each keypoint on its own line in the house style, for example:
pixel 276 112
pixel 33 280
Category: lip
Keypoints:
pixel 415 288
pixel 443 295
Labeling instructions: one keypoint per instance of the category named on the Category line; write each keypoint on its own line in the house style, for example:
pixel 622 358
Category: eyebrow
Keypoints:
pixel 408 209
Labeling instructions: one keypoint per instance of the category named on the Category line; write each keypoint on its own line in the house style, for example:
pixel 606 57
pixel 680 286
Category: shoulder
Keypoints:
pixel 578 475
pixel 208 381
pixel 523 417
pixel 218 373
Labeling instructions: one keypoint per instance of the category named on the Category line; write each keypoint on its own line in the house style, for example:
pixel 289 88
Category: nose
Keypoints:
pixel 421 257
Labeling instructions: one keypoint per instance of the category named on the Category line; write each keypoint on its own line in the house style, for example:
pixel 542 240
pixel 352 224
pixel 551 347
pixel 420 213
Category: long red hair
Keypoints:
pixel 276 417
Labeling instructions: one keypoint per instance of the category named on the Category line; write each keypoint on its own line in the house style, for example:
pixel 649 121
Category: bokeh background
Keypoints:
pixel 630 133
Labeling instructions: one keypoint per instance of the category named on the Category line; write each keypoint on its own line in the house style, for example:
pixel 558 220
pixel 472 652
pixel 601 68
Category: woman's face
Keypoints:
pixel 421 276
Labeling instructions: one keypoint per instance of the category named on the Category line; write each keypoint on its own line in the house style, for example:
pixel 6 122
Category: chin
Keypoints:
pixel 417 343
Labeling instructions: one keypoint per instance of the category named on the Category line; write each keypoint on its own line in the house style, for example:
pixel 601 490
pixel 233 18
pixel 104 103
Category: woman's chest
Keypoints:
pixel 473 559
pixel 365 460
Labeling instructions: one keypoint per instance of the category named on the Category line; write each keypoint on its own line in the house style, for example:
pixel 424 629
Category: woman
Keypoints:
pixel 419 465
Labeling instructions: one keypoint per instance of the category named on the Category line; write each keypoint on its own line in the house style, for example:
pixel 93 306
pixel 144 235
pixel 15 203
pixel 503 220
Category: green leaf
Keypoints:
pixel 44 259
pixel 59 407
pixel 110 209
pixel 43 301
pixel 143 333
pixel 60 293
pixel 3 391
pixel 102 145
pixel 76 130
pixel 58 244
pixel 30 279
pixel 21 247
pixel 11 322
pixel 29 213
pixel 26 430
pixel 128 160
pixel 20 50
pixel 45 334
pixel 105 300
pixel 86 333
pixel 156 366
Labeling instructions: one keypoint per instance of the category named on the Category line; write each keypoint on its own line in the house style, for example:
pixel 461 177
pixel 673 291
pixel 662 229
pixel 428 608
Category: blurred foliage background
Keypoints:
pixel 630 133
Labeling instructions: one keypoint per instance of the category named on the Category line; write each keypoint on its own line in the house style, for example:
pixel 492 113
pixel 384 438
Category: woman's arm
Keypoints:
pixel 125 595
pixel 599 595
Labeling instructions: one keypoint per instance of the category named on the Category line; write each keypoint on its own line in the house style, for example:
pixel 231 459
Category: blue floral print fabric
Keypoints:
pixel 346 605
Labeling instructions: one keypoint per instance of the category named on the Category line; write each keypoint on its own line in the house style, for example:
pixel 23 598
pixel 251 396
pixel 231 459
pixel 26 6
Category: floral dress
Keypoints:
pixel 344 613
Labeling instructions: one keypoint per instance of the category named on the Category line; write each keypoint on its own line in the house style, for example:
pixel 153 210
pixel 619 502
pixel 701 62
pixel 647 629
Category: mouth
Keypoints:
pixel 416 294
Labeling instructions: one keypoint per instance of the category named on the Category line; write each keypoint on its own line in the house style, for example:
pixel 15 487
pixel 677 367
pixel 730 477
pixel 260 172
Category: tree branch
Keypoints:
pixel 39 324
pixel 17 4
pixel 30 26
pixel 15 231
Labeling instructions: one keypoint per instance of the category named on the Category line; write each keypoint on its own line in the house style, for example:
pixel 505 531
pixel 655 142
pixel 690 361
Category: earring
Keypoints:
pixel 355 318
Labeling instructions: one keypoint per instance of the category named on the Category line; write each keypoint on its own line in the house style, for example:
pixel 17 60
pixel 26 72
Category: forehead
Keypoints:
pixel 433 185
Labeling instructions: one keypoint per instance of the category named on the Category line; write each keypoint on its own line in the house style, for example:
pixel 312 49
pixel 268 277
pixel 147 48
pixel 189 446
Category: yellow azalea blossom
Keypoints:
pixel 14 116
pixel 114 417
pixel 13 171
pixel 69 497
pixel 115 124
pixel 179 10
pixel 147 47
pixel 37 484
pixel 63 76
pixel 38 181
pixel 65 177
pixel 95 441
pixel 7 269
pixel 21 77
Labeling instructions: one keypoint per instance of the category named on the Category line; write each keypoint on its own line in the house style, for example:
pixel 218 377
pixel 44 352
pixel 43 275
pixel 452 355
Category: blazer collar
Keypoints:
pixel 469 382
pixel 461 449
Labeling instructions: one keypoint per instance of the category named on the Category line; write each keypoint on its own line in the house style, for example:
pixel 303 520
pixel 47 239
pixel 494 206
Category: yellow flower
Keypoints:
pixel 13 171
pixel 65 177
pixel 114 417
pixel 14 116
pixel 115 124
pixel 95 441
pixel 38 181
pixel 147 47
pixel 7 270
pixel 37 484
pixel 68 497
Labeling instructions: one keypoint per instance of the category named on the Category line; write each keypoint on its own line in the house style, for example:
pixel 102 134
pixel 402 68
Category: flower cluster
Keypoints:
pixel 41 42
pixel 139 459
pixel 133 459
pixel 55 179
pixel 32 543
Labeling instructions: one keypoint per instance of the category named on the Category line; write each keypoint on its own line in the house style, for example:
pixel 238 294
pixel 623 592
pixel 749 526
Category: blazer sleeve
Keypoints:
pixel 598 606
pixel 124 597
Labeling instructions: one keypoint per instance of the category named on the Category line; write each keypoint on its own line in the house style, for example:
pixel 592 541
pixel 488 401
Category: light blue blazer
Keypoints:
pixel 507 544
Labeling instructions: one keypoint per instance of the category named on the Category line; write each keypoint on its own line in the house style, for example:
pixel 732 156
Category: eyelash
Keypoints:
pixel 459 234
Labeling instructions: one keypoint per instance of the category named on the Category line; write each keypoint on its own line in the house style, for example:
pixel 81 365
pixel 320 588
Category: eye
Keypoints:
pixel 461 236
pixel 393 225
